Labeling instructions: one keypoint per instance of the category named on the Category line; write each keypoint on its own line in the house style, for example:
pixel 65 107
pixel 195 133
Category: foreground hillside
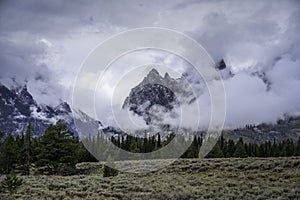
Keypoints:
pixel 224 178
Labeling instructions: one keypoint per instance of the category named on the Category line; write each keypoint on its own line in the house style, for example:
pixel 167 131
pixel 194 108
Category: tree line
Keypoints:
pixel 222 148
pixel 240 149
pixel 58 150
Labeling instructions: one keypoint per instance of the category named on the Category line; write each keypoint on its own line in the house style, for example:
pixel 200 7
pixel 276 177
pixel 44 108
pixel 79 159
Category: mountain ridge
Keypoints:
pixel 19 108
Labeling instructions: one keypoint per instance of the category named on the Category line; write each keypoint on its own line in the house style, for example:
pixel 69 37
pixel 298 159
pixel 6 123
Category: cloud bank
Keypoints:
pixel 44 43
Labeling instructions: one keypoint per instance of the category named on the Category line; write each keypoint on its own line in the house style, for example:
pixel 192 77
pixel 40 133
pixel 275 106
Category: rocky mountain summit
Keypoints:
pixel 18 108
pixel 156 90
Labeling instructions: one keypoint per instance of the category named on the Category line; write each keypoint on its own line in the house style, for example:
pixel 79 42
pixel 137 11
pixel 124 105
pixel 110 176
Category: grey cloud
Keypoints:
pixel 252 36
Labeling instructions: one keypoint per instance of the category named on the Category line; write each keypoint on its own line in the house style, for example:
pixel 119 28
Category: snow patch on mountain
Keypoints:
pixel 18 109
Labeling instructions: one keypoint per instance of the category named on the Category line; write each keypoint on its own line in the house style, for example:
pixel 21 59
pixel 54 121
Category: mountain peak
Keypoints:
pixel 63 107
pixel 153 74
pixel 157 92
pixel 221 65
pixel 167 76
pixel 25 97
pixel 153 77
pixel 153 71
pixel 24 88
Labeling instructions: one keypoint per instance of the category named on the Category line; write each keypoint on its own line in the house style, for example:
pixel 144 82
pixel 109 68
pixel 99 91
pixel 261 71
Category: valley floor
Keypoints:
pixel 222 178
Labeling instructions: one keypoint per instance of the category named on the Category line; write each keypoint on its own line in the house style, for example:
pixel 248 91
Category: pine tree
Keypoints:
pixel 133 145
pixel 191 152
pixel 298 148
pixel 145 144
pixel 10 154
pixel 282 148
pixel 267 149
pixel 27 149
pixel 290 148
pixel 119 142
pixel 230 148
pixel 57 150
pixel 152 143
pixel 1 151
pixel 223 145
pixel 158 141
pixel 216 152
pixel 122 142
pixel 240 151
pixel 274 149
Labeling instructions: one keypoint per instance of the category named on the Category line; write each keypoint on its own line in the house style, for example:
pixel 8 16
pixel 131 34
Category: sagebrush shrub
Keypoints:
pixel 11 182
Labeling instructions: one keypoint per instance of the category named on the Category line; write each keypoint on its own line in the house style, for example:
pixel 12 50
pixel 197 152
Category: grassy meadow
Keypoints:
pixel 219 178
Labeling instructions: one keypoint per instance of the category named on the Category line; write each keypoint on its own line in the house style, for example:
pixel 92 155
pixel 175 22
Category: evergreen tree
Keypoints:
pixel 230 148
pixel 133 145
pixel 192 151
pixel 27 150
pixel 289 147
pixel 119 142
pixel 152 143
pixel 298 148
pixel 10 154
pixel 57 150
pixel 123 143
pixel 145 144
pixel 282 148
pixel 216 152
pixel 83 154
pixel 223 145
pixel 1 151
pixel 274 149
pixel 240 151
pixel 158 141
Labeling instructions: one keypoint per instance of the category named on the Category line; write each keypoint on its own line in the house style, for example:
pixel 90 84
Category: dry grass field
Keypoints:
pixel 224 178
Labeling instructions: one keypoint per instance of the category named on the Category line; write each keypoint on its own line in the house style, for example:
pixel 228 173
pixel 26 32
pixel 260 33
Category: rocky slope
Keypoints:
pixel 18 108
pixel 286 128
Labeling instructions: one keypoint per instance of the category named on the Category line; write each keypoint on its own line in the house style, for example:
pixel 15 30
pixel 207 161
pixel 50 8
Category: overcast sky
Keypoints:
pixel 43 43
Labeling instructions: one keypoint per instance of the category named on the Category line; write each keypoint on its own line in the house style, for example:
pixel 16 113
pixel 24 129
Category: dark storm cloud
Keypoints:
pixel 40 17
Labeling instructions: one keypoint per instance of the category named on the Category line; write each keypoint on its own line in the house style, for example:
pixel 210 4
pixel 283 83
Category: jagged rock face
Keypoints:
pixel 155 94
pixel 144 97
pixel 221 65
pixel 18 108
pixel 13 103
pixel 156 90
